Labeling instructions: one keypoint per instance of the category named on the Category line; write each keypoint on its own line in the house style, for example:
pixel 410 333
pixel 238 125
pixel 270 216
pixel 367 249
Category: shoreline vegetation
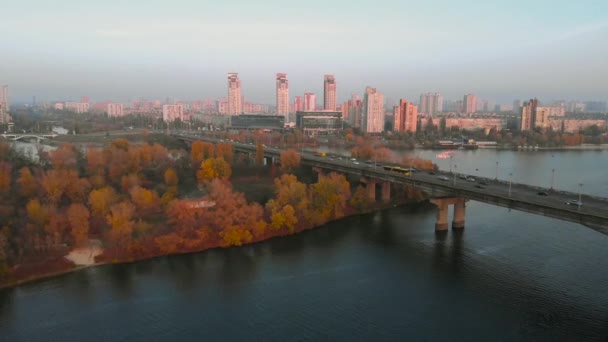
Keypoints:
pixel 131 201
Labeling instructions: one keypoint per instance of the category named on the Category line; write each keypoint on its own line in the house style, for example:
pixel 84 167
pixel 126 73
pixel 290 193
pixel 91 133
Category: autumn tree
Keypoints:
pixel 170 177
pixel 289 191
pixel 101 200
pixel 284 218
pixel 146 201
pixel 27 184
pixel 5 178
pixel 328 198
pixel 360 200
pixel 55 226
pixel 37 213
pixel 121 144
pixel 78 189
pixel 225 151
pixel 64 157
pixel 95 167
pixel 290 160
pixel 4 252
pixel 121 223
pixel 55 183
pixel 196 153
pixel 78 218
pixel 212 169
pixel 259 155
pixel 127 182
pixel 236 236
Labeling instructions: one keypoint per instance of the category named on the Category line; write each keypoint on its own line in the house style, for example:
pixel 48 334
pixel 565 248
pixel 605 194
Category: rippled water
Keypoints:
pixel 380 277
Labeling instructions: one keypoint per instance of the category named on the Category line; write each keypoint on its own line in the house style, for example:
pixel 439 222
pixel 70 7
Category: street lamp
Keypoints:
pixel 580 193
pixel 454 179
pixel 552 178
pixel 497 170
pixel 450 163
pixel 510 181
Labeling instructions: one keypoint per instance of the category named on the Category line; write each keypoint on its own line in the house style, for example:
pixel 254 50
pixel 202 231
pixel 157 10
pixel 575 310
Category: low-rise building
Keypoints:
pixel 314 123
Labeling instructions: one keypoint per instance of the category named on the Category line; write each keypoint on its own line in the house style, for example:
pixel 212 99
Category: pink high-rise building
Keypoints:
pixel 298 104
pixel 469 102
pixel 431 103
pixel 282 95
pixel 528 115
pixel 235 106
pixel 77 107
pixel 373 111
pixel 329 93
pixel 4 105
pixel 310 102
pixel 173 112
pixel 406 117
pixel 115 109
pixel 222 106
pixel 85 99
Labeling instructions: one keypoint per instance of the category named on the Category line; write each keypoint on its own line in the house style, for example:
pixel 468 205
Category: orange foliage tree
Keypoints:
pixel 78 217
pixel 121 223
pixel 146 201
pixel 64 157
pixel 5 178
pixel 328 198
pixel 55 183
pixel 27 184
pixel 290 160
pixel 212 169
pixel 101 201
pixel 225 151
pixel 259 155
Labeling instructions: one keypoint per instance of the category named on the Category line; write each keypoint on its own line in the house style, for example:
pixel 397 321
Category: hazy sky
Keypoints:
pixel 119 49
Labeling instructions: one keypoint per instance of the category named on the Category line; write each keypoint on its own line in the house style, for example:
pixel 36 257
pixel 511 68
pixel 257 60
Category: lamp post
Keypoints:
pixel 510 181
pixel 450 163
pixel 454 178
pixel 497 170
pixel 580 193
pixel 552 178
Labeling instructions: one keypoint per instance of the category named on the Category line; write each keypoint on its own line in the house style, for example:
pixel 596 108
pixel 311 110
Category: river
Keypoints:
pixel 384 276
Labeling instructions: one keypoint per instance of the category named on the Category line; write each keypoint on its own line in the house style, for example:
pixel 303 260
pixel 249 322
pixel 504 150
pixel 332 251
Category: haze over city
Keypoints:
pixel 121 51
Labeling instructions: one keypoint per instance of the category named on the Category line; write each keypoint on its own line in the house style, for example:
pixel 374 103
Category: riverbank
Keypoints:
pixel 68 263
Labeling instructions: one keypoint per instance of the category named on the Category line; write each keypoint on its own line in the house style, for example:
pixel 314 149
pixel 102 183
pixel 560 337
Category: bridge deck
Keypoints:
pixel 592 213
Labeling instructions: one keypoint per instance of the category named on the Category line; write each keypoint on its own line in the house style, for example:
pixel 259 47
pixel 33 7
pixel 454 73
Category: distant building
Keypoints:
pixel 77 107
pixel 5 118
pixel 257 121
pixel 310 102
pixel 431 103
pixel 313 123
pixel 115 109
pixel 405 117
pixel 373 111
pixel 528 115
pixel 516 106
pixel 469 103
pixel 329 93
pixel 282 95
pixel 173 112
pixel 234 94
pixel 298 104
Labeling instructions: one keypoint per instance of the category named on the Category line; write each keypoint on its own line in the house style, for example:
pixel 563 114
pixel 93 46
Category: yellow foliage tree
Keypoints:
pixel 212 169
pixel 121 223
pixel 290 160
pixel 78 217
pixel 236 236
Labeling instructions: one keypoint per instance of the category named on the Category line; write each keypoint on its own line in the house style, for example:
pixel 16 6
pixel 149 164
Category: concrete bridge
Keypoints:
pixel 38 137
pixel 447 189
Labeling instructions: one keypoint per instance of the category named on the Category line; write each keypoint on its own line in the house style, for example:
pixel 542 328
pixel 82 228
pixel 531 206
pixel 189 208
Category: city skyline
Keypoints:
pixel 151 52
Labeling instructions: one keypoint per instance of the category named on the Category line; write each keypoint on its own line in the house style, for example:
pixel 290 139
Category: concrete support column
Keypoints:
pixel 442 214
pixel 370 186
pixel 459 213
pixel 386 191
pixel 320 172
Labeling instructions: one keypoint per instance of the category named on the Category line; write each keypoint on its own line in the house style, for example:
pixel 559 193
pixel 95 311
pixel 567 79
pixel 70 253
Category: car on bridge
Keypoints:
pixel 542 193
pixel 443 178
pixel 470 179
pixel 574 202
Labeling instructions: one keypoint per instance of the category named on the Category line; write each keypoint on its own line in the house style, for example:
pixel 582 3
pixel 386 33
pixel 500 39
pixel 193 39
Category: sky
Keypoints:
pixel 125 50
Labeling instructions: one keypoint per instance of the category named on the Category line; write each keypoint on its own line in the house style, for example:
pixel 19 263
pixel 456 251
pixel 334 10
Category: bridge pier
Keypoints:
pixel 386 191
pixel 459 212
pixel 442 212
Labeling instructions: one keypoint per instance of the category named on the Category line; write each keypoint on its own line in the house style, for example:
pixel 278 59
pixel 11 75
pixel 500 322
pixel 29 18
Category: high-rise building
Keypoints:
pixel 77 107
pixel 431 103
pixel 298 104
pixel 528 115
pixel 234 94
pixel 469 102
pixel 282 95
pixel 516 106
pixel 406 117
pixel 310 102
pixel 173 112
pixel 4 97
pixel 373 111
pixel 115 109
pixel 329 93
